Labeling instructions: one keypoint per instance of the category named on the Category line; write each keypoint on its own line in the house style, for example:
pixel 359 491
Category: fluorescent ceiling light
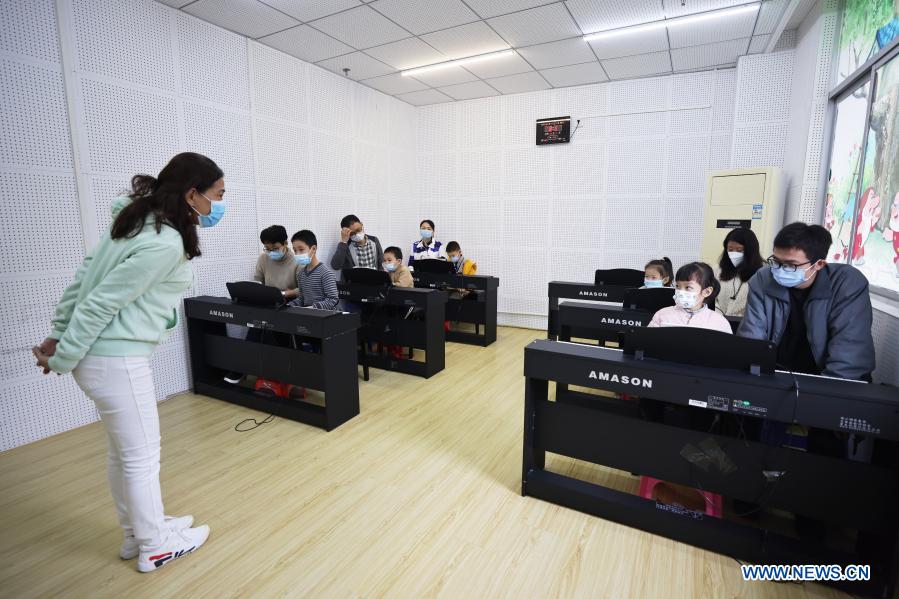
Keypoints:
pixel 686 20
pixel 457 62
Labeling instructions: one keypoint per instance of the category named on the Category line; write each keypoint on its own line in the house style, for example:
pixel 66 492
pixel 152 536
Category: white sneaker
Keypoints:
pixel 178 544
pixel 130 548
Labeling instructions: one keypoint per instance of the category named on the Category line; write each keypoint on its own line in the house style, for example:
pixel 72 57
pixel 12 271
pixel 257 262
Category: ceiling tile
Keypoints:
pixel 499 67
pixel 421 17
pixel 680 8
pixel 466 40
pixel 407 54
pixel 425 96
pixel 535 26
pixel 309 10
pixel 769 15
pixel 395 84
pixel 637 66
pixel 361 28
pixel 557 54
pixel 361 65
pixel 631 43
pixel 599 15
pixel 467 91
pixel 758 43
pixel 713 30
pixel 576 74
pixel 447 76
pixel 516 84
pixel 306 43
pixel 246 17
pixel 493 8
pixel 709 55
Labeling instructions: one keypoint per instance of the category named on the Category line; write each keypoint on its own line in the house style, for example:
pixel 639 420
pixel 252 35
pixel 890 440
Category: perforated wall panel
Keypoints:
pixel 279 85
pixel 219 75
pixel 128 41
pixel 40 216
pixel 34 119
pixel 224 136
pixel 332 102
pixel 282 154
pixel 29 29
pixel 140 139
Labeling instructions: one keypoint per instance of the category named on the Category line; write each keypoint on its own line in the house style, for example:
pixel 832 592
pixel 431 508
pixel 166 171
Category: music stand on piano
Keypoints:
pixel 435 266
pixel 252 293
pixel 626 277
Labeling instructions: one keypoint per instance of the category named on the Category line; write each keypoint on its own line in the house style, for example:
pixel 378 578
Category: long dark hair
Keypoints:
pixel 701 273
pixel 163 198
pixel 752 258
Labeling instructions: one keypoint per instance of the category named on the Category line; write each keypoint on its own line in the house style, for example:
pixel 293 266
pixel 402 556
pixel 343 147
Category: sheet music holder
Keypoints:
pixel 366 276
pixel 434 266
pixel 648 300
pixel 627 277
pixel 252 293
pixel 701 347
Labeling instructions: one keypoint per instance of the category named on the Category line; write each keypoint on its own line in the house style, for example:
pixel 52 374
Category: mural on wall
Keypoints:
pixel 866 26
pixel 875 248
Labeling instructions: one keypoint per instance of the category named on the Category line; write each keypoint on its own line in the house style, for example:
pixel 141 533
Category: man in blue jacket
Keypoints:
pixel 819 314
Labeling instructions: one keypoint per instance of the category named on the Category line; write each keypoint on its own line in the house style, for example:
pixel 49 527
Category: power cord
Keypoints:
pixel 256 424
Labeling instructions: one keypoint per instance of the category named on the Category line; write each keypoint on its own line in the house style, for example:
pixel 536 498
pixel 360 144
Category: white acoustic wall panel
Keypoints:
pixel 236 236
pixel 213 63
pixel 688 164
pixel 401 174
pixel 574 220
pixel 29 29
pixel 480 174
pixel 479 111
pixel 282 154
pixel 639 95
pixel 332 102
pixel 331 163
pixel 139 139
pixel 636 166
pixel 279 85
pixel 437 177
pixel 723 99
pixel 437 128
pixel 528 171
pixel 682 219
pixel 371 114
pixel 641 124
pixel 758 145
pixel 34 119
pixel 129 41
pixel 519 116
pixel 40 216
pixel 692 89
pixel 370 169
pixel 579 170
pixel 224 136
pixel 403 125
pixel 719 154
pixel 686 121
pixel 29 413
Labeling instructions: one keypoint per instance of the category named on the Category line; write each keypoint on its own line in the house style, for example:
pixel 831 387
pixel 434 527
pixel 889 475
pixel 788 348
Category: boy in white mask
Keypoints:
pixel 695 286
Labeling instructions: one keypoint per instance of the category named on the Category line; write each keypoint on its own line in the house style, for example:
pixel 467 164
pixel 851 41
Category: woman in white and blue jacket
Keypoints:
pixel 427 247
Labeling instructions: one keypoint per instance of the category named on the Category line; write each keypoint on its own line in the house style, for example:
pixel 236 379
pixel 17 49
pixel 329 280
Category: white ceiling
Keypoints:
pixel 376 39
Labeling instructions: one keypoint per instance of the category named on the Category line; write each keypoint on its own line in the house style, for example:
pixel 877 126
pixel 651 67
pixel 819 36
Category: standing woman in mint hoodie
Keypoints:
pixel 120 307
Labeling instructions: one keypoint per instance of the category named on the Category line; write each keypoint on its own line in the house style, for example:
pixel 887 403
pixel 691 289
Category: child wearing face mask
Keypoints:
pixel 695 286
pixel 657 273
pixel 399 272
pixel 739 261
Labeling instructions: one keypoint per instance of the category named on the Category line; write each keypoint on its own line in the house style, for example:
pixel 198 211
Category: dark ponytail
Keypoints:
pixel 163 199
pixel 702 274
pixel 664 267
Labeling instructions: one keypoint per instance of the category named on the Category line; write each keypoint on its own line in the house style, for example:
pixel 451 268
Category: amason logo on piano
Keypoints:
pixel 221 314
pixel 622 379
pixel 589 293
pixel 620 321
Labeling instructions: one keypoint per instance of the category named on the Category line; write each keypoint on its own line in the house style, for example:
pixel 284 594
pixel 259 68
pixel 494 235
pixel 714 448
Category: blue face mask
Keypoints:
pixel 651 283
pixel 303 259
pixel 426 234
pixel 390 266
pixel 789 279
pixel 276 255
pixel 455 258
pixel 215 214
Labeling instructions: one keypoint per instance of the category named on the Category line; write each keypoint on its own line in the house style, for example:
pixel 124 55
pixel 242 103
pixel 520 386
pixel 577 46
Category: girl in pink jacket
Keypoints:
pixel 695 285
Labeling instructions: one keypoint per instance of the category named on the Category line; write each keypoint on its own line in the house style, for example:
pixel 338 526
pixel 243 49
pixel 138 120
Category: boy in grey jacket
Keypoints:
pixel 819 314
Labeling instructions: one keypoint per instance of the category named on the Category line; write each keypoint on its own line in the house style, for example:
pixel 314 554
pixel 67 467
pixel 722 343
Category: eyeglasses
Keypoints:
pixel 775 263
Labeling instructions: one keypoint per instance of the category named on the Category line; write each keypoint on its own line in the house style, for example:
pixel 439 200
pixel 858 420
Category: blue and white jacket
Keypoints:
pixel 420 251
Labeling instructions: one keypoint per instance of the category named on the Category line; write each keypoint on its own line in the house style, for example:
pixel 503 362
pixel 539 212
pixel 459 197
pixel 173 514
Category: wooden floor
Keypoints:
pixel 416 496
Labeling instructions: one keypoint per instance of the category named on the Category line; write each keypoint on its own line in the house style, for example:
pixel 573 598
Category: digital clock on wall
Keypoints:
pixel 553 131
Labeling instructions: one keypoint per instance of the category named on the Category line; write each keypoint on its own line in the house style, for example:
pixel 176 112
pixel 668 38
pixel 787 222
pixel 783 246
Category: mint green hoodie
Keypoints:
pixel 124 296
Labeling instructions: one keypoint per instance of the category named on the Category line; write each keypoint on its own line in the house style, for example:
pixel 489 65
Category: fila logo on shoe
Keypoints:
pixel 162 558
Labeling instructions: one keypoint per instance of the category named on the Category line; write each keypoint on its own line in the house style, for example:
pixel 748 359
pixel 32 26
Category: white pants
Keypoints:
pixel 122 389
